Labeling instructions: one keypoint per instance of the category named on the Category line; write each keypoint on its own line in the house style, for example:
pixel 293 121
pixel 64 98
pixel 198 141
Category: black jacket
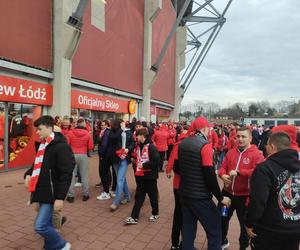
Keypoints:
pixel 56 172
pixel 104 146
pixel 275 194
pixel 152 164
pixel 115 139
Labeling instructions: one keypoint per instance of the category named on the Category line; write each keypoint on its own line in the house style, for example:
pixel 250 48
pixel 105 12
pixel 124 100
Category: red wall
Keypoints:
pixel 113 58
pixel 26 32
pixel 164 86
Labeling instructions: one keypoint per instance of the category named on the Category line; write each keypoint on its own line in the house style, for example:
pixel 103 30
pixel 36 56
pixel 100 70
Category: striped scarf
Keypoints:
pixel 38 163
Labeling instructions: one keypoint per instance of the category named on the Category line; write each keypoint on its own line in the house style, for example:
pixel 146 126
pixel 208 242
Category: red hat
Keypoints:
pixel 199 123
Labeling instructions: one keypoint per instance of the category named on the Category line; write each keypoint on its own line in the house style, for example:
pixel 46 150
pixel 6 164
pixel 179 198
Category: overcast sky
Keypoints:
pixel 255 57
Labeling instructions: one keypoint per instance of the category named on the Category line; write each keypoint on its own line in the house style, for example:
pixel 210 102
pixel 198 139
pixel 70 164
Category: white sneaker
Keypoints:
pixel 67 246
pixel 103 196
pixel 153 218
pixel 77 184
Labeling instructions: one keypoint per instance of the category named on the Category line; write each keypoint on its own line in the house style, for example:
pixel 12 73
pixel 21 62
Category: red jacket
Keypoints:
pixel 173 157
pixel 65 131
pixel 80 140
pixel 172 136
pixel 213 139
pixel 232 139
pixel 160 139
pixel 223 143
pixel 245 162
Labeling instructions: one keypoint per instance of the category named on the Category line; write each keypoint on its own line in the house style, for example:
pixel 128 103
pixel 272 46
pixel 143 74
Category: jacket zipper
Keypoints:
pixel 51 183
pixel 236 168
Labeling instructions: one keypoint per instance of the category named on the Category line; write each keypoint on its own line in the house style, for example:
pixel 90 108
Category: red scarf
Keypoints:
pixel 141 158
pixel 38 163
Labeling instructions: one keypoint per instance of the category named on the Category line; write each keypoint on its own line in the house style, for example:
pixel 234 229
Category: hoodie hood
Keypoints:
pixel 291 131
pixel 79 131
pixel 288 159
pixel 252 148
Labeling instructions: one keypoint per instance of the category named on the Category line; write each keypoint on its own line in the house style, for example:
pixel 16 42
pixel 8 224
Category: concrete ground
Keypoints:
pixel 90 224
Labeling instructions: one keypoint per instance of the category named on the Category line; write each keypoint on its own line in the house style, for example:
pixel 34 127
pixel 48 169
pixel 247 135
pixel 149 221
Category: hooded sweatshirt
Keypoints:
pixel 80 140
pixel 244 162
pixel 275 194
pixel 291 131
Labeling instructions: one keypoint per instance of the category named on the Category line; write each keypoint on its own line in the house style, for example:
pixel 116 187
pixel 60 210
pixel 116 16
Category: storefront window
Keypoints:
pixel 2 128
pixel 22 134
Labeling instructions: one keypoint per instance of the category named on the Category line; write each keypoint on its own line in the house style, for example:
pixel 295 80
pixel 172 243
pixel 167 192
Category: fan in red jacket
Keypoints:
pixel 213 138
pixel 236 171
pixel 171 140
pixel 160 140
pixel 291 131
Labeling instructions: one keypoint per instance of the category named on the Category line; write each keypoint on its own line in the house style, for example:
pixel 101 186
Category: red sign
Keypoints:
pixel 163 112
pixel 24 91
pixel 84 100
pixel 152 109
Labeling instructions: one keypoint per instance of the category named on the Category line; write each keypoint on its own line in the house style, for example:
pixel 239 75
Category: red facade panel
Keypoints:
pixel 26 32
pixel 164 86
pixel 113 58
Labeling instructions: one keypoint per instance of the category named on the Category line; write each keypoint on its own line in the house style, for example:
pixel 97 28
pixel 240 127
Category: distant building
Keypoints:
pixel 266 121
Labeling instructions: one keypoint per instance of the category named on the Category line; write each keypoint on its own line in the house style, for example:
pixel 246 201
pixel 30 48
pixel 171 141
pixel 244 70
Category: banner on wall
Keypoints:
pixel 84 100
pixel 24 91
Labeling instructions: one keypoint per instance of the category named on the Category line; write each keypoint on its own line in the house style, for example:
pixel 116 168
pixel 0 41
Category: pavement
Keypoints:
pixel 90 224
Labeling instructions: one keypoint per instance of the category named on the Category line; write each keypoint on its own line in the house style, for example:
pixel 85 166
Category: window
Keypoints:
pixel 282 122
pixel 269 123
pixel 297 123
pixel 254 122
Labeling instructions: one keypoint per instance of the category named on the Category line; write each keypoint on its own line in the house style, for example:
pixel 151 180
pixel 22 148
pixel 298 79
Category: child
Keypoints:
pixel 146 174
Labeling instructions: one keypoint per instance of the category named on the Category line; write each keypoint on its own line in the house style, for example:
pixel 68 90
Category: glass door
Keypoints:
pixel 2 135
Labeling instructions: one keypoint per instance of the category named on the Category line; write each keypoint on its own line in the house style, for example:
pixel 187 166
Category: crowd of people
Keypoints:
pixel 257 168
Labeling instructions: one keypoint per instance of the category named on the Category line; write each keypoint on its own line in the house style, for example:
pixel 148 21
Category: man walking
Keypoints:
pixel 236 171
pixel 198 183
pixel 273 217
pixel 81 142
pixel 49 180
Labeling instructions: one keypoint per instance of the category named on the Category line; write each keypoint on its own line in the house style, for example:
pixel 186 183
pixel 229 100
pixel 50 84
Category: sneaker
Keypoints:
pixel 153 218
pixel 125 201
pixel 130 221
pixel 70 199
pixel 113 207
pixel 103 196
pixel 77 184
pixel 112 193
pixel 67 246
pixel 85 198
pixel 225 244
pixel 175 248
pixel 98 185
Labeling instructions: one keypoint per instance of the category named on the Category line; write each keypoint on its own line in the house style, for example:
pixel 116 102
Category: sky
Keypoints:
pixel 256 56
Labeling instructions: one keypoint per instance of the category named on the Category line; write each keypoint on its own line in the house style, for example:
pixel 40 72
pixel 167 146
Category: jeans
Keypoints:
pixel 82 165
pixel 266 240
pixel 206 212
pixel 238 204
pixel 177 220
pixel 44 227
pixel 105 174
pixel 145 187
pixel 221 158
pixel 162 156
pixel 121 171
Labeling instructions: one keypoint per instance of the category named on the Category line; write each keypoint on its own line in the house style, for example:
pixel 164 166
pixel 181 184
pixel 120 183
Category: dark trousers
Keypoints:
pixel 207 213
pixel 107 178
pixel 238 205
pixel 145 187
pixel 162 156
pixel 170 148
pixel 266 240
pixel 177 220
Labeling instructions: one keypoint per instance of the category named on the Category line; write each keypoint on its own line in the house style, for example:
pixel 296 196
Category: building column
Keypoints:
pixel 151 11
pixel 181 42
pixel 65 42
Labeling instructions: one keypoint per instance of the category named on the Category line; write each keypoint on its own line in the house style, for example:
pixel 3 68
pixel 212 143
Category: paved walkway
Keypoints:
pixel 90 224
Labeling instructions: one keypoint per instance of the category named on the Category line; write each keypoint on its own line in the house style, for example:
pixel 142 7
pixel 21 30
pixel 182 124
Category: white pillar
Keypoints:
pixel 151 11
pixel 65 42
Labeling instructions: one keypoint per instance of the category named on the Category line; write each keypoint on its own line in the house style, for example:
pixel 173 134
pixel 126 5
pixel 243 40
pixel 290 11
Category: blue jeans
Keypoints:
pixel 44 227
pixel 121 171
pixel 210 218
